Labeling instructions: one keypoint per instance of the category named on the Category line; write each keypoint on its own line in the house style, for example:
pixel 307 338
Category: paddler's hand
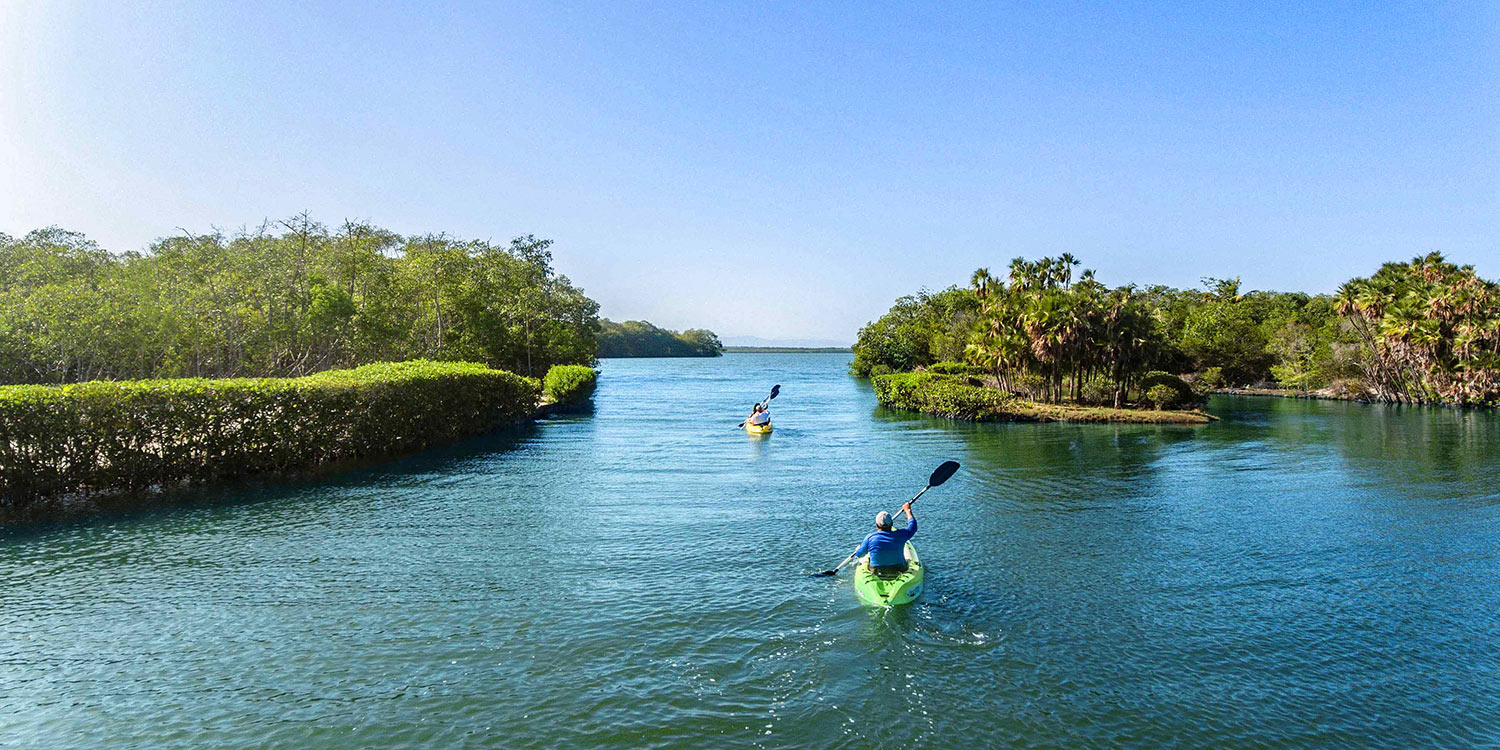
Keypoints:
pixel 907 508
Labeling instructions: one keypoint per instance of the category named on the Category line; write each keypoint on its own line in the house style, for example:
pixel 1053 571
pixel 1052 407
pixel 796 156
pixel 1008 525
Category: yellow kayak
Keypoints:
pixel 758 429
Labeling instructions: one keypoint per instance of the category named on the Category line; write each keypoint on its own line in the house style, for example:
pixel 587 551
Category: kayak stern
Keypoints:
pixel 874 591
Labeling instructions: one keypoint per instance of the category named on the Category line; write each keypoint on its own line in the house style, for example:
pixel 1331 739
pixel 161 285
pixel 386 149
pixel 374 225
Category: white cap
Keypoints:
pixel 883 520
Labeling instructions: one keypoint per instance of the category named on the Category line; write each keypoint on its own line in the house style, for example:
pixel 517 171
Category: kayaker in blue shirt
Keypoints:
pixel 886 546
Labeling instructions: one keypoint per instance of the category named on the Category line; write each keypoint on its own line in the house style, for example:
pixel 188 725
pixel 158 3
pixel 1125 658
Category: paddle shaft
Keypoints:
pixel 940 475
pixel 851 556
pixel 766 401
pixel 919 494
pixel 840 565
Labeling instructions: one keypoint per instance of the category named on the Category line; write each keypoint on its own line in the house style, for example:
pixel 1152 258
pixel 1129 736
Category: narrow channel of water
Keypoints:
pixel 1300 574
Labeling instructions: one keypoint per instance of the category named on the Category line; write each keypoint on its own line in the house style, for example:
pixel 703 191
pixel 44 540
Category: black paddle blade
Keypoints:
pixel 824 573
pixel 775 389
pixel 943 473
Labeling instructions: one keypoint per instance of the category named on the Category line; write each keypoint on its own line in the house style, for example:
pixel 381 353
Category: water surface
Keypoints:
pixel 1300 574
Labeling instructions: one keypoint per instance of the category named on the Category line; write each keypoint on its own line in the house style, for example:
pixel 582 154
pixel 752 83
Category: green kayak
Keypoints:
pixel 875 591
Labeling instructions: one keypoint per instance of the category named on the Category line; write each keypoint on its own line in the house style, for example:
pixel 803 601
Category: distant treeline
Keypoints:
pixel 637 338
pixel 787 349
pixel 287 299
pixel 1424 331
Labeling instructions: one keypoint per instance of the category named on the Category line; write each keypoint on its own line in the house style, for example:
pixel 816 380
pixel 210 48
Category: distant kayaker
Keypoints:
pixel 759 414
pixel 886 546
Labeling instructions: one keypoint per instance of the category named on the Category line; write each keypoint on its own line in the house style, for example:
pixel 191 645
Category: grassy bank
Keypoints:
pixel 957 397
pixel 122 436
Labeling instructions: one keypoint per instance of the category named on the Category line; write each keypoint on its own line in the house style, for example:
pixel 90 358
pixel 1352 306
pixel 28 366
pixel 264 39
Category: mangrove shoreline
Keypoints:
pixel 956 397
pixel 81 449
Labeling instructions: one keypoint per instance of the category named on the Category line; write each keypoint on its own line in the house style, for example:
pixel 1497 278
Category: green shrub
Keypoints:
pixel 131 435
pixel 1098 392
pixel 571 385
pixel 879 370
pixel 1212 378
pixel 943 395
pixel 1030 385
pixel 956 368
pixel 1185 396
pixel 1162 395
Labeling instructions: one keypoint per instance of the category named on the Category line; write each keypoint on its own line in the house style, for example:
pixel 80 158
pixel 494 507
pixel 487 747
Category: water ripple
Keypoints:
pixel 1301 574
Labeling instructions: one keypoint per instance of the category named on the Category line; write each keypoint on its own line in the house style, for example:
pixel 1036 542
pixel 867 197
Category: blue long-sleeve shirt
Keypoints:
pixel 887 547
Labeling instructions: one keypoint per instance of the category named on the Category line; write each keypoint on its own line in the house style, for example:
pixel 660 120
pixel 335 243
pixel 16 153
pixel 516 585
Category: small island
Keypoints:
pixel 1044 344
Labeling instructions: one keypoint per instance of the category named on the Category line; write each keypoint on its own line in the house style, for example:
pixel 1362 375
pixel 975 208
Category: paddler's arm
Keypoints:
pixel 911 526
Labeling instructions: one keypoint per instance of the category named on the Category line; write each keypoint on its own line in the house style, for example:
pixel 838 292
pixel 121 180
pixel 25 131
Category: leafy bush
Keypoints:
pixel 1030 385
pixel 1098 392
pixel 879 370
pixel 917 331
pixel 131 435
pixel 1162 395
pixel 1348 388
pixel 1212 378
pixel 570 384
pixel 1184 394
pixel 955 368
pixel 943 395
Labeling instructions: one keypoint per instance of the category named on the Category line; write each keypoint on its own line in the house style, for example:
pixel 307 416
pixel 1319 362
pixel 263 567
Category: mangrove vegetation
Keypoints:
pixel 144 434
pixel 637 338
pixel 286 299
pixel 1424 331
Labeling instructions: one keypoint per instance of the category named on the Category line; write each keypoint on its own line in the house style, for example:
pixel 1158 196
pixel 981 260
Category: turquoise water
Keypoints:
pixel 1300 574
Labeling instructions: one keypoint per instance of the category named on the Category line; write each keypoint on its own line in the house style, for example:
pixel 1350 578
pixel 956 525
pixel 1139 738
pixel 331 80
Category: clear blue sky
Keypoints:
pixel 777 170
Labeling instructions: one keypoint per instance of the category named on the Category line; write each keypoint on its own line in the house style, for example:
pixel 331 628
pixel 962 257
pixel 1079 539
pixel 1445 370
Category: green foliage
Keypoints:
pixel 880 369
pixel 1428 331
pixel 287 299
pixel 960 398
pixel 1097 391
pixel 570 385
pixel 1029 384
pixel 943 395
pixel 133 435
pixel 1182 393
pixel 637 338
pixel 1225 332
pixel 1418 332
pixel 956 368
pixel 1162 396
pixel 917 332
pixel 1212 378
pixel 1045 333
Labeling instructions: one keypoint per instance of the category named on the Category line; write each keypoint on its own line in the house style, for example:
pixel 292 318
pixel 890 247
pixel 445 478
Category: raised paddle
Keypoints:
pixel 775 389
pixel 939 475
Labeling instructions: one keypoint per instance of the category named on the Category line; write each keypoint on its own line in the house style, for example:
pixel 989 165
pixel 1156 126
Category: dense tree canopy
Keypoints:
pixel 1423 331
pixel 637 338
pixel 287 299
pixel 917 331
pixel 1431 331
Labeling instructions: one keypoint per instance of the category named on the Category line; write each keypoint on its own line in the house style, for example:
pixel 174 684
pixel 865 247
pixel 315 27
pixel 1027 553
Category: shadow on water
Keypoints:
pixel 152 507
pixel 1383 443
